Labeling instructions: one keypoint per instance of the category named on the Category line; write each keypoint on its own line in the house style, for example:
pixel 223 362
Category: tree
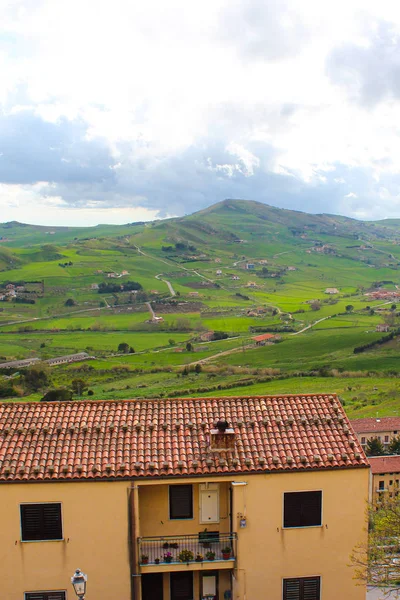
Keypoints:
pixel 131 350
pixel 374 447
pixel 377 561
pixel 57 395
pixel 171 342
pixel 189 347
pixel 70 302
pixel 315 305
pixel 78 386
pixel 394 446
pixel 393 307
pixel 123 347
pixel 349 308
pixel 36 377
pixel 198 368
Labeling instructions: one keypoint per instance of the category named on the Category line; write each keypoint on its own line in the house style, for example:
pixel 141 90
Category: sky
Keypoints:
pixel 115 111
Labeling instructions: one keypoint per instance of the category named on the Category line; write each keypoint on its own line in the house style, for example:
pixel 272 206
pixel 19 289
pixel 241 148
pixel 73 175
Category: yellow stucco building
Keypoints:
pixel 184 499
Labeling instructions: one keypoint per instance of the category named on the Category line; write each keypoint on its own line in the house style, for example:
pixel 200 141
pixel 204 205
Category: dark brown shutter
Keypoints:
pixel 180 502
pixel 41 522
pixel 302 588
pixel 291 589
pixel 45 596
pixel 302 509
pixel 181 586
pixel 311 588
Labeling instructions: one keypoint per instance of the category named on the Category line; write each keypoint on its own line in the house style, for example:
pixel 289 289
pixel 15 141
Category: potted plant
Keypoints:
pixel 210 555
pixel 226 552
pixel 144 559
pixel 157 561
pixel 168 557
pixel 165 546
pixel 185 556
pixel 199 558
pixel 174 545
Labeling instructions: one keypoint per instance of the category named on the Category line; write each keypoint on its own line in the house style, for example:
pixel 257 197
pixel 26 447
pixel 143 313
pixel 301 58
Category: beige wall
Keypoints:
pixel 391 486
pixel 379 434
pixel 266 553
pixel 95 528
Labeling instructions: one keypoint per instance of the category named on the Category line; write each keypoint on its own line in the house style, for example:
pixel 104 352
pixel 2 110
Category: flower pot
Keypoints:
pixel 168 560
pixel 157 561
pixel 226 555
pixel 145 561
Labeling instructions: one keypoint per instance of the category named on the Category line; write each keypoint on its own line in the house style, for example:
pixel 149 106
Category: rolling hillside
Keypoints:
pixel 324 284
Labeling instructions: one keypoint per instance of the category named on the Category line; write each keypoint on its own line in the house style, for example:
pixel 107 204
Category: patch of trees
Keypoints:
pixel 219 335
pixel 277 329
pixel 7 390
pixel 66 264
pixel 20 300
pixel 242 296
pixel 57 395
pixel 125 348
pixel 127 286
pixel 70 302
pixel 379 342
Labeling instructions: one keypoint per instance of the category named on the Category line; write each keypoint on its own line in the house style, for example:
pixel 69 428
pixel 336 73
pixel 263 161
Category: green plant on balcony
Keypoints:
pixel 210 555
pixel 185 556
pixel 168 557
pixel 144 559
pixel 226 552
pixel 199 558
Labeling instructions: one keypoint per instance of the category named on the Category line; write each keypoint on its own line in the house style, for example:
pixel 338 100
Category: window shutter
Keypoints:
pixel 311 508
pixel 31 521
pixel 311 588
pixel 302 509
pixel 291 589
pixel 180 502
pixel 52 522
pixel 45 596
pixel 41 522
pixel 182 586
pixel 292 510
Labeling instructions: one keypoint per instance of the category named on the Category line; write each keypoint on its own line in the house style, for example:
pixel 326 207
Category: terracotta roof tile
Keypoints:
pixel 372 425
pixel 384 464
pixel 150 438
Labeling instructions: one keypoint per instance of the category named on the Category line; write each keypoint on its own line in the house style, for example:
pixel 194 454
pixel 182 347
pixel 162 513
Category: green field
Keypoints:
pixel 296 257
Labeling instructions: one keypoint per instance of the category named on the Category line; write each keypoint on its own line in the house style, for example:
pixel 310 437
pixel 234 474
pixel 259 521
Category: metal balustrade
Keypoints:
pixel 205 546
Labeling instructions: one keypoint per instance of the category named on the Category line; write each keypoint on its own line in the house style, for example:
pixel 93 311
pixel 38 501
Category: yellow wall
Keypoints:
pixel 95 527
pixel 379 434
pixel 390 488
pixel 266 553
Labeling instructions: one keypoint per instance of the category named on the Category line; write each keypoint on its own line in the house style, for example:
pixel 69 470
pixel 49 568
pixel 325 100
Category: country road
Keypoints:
pixel 171 289
pixel 309 326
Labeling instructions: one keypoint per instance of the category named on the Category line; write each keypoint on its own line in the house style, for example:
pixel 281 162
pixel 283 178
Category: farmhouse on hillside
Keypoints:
pixel 181 498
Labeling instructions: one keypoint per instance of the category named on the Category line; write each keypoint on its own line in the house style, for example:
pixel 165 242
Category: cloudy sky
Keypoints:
pixel 122 110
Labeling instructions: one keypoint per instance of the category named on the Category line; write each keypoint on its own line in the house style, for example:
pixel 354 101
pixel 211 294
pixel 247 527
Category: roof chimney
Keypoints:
pixel 222 439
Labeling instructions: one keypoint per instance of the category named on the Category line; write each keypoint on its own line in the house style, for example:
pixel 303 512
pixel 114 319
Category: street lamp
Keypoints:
pixel 78 581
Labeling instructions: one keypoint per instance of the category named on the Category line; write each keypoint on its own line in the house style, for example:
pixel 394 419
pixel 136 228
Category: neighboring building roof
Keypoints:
pixel 384 464
pixel 263 337
pixel 371 425
pixel 152 438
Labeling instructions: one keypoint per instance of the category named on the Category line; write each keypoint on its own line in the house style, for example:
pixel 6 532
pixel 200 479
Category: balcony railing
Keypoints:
pixel 206 546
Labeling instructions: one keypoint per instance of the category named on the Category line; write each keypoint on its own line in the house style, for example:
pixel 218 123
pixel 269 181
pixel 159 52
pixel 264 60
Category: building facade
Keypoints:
pixel 383 428
pixel 183 499
pixel 384 477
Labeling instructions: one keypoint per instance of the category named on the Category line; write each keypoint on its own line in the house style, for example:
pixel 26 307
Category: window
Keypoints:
pixel 363 440
pixel 391 482
pixel 302 509
pixel 381 485
pixel 41 522
pixel 180 502
pixel 181 585
pixel 386 439
pixel 304 588
pixel 45 596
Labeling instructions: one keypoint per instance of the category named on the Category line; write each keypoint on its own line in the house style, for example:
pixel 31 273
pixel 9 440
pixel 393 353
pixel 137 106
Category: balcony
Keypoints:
pixel 199 551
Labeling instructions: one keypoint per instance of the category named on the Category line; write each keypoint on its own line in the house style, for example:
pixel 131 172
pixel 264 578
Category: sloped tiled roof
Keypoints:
pixel 384 464
pixel 371 425
pixel 150 438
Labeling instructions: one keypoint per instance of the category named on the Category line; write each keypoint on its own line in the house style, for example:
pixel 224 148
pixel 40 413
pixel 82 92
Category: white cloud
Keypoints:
pixel 181 93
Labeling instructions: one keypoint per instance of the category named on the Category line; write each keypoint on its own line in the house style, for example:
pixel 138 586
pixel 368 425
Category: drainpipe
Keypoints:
pixel 134 505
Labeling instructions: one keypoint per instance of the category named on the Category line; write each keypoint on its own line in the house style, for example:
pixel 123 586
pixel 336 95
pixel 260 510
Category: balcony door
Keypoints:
pixel 152 586
pixel 182 585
